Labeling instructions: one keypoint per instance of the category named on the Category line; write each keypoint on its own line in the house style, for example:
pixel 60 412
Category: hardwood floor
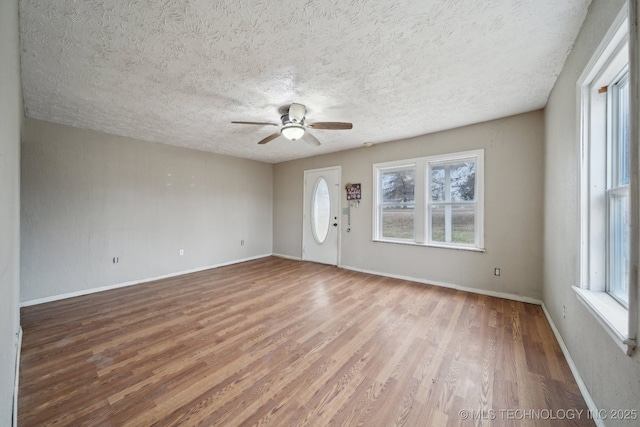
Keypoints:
pixel 284 343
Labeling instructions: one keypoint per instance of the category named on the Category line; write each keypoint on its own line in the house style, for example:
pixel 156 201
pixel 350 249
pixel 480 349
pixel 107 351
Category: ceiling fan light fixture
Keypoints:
pixel 292 132
pixel 294 125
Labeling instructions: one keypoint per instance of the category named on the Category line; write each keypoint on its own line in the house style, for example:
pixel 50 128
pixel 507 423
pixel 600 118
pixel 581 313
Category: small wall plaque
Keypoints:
pixel 353 192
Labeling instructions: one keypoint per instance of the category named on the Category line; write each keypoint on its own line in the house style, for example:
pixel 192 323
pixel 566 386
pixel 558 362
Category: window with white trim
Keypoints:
pixel 396 209
pixel 605 179
pixel 452 201
pixel 617 192
pixel 431 201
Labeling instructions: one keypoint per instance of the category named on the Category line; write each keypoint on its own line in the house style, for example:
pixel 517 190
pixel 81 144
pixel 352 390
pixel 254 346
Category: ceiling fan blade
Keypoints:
pixel 331 125
pixel 255 123
pixel 307 137
pixel 270 138
pixel 297 112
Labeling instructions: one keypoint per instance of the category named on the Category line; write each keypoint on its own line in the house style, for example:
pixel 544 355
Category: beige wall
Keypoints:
pixel 513 217
pixel 88 197
pixel 10 122
pixel 613 379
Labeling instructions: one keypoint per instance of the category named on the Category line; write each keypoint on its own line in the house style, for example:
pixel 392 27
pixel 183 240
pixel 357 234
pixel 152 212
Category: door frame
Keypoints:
pixel 337 168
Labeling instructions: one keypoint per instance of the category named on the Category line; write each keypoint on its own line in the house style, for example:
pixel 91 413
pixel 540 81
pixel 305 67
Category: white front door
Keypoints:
pixel 321 214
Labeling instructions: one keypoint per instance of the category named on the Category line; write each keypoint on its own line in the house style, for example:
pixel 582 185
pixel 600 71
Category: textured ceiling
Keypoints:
pixel 179 71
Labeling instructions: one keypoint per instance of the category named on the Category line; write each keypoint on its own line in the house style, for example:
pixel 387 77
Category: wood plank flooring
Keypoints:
pixel 286 343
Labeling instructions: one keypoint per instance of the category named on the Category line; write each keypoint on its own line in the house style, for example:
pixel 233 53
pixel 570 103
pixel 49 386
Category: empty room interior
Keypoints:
pixel 420 213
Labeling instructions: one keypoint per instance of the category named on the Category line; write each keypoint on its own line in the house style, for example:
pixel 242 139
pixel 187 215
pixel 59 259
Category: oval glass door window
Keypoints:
pixel 320 211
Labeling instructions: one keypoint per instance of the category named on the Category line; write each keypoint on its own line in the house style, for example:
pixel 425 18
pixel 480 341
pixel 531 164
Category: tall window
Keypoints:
pixel 605 194
pixel 397 202
pixel 433 201
pixel 617 193
pixel 452 201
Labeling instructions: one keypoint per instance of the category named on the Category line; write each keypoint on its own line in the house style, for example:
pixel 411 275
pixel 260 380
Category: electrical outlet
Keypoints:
pixel 241 242
pixel 181 252
pixel 564 312
pixel 496 271
pixel 116 260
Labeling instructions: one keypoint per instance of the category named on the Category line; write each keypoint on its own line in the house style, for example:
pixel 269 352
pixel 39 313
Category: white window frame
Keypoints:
pixel 422 198
pixel 611 57
pixel 380 205
pixel 615 189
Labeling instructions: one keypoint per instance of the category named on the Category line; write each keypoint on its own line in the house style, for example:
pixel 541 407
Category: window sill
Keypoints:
pixel 613 317
pixel 430 245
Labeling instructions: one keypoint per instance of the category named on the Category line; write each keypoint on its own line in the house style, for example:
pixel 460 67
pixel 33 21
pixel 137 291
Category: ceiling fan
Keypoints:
pixel 293 125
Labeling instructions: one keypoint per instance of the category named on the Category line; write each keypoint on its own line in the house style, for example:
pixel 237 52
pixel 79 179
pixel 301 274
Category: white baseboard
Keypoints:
pixel 519 298
pixel 574 369
pixel 16 379
pixel 133 282
pixel 288 257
